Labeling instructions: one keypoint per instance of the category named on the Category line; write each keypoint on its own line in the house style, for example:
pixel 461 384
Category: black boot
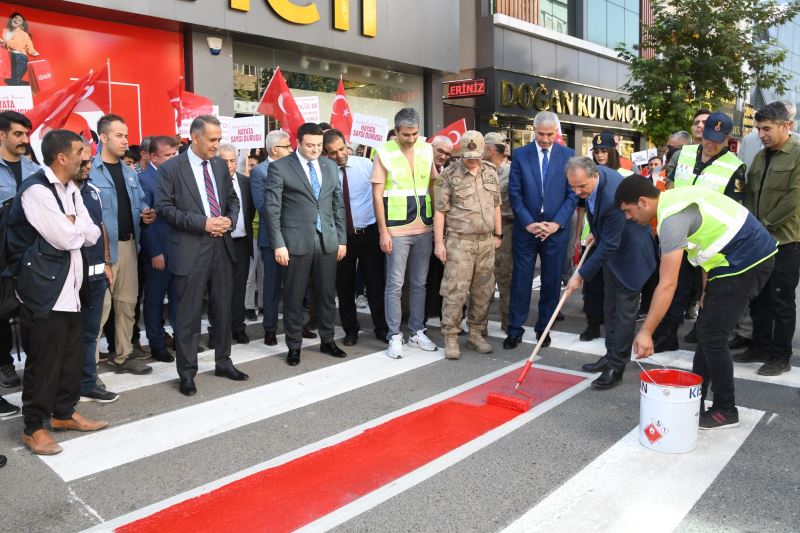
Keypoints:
pixel 590 333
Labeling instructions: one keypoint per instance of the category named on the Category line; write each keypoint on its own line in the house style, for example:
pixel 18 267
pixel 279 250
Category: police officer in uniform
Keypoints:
pixel 467 230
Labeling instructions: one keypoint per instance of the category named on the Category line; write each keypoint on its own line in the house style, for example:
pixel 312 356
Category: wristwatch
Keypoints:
pixel 108 262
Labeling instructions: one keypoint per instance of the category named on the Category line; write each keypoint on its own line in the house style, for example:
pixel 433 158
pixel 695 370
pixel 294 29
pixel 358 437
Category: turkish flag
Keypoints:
pixel 454 131
pixel 188 105
pixel 53 109
pixel 341 117
pixel 278 103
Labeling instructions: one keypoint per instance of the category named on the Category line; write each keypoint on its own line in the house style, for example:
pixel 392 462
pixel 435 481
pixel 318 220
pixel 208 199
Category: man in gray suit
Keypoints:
pixel 306 221
pixel 196 198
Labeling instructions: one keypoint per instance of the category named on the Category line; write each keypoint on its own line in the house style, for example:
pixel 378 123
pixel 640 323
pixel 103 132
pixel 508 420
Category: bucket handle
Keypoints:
pixel 648 373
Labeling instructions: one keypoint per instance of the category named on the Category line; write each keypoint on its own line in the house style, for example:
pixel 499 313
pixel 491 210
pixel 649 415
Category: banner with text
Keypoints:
pixel 369 130
pixel 247 132
pixel 19 99
pixel 309 107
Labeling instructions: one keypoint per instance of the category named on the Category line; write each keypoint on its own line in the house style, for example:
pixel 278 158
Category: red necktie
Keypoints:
pixel 348 216
pixel 213 204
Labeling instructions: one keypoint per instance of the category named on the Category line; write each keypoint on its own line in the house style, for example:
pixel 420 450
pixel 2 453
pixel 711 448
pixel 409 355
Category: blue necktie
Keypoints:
pixel 315 189
pixel 545 163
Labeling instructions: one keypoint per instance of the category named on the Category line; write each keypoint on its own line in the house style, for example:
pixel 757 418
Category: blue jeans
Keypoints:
pixel 157 284
pixel 92 314
pixel 412 252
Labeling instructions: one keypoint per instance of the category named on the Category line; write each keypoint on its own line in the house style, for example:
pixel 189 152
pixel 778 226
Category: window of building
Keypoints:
pixel 610 22
pixel 554 15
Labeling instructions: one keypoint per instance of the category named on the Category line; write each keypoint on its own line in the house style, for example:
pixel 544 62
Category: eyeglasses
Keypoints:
pixel 442 152
pixel 287 147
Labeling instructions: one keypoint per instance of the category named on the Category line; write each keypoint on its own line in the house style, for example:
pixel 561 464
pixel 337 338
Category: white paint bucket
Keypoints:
pixel 669 410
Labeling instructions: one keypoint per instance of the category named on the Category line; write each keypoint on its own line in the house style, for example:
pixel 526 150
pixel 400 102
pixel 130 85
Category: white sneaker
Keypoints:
pixel 361 302
pixel 395 350
pixel 421 341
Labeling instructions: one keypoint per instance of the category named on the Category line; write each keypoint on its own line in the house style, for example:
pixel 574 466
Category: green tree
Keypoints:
pixel 701 53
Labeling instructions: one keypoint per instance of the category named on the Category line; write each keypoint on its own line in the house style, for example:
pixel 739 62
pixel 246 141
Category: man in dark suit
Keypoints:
pixel 196 198
pixel 242 236
pixel 543 205
pixel 624 255
pixel 306 220
pixel 158 280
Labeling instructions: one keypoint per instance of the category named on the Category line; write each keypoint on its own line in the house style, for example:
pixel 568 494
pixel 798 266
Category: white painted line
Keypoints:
pixel 348 434
pixel 123 444
pixel 631 488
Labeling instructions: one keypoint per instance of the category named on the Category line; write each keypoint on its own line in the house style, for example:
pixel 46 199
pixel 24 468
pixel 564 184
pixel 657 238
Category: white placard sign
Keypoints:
pixel 186 123
pixel 225 124
pixel 639 158
pixel 19 99
pixel 248 132
pixel 369 130
pixel 309 107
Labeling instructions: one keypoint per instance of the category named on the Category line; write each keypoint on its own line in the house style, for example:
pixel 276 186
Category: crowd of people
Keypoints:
pixel 415 228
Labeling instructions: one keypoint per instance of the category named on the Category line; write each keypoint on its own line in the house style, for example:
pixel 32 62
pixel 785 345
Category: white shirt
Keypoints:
pixel 239 230
pixel 197 169
pixel 359 169
pixel 43 213
pixel 304 163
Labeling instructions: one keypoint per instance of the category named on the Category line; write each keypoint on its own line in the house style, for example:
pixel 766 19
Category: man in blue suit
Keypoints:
pixel 543 205
pixel 625 255
pixel 158 280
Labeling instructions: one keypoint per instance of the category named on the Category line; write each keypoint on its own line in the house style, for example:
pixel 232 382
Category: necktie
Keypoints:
pixel 213 204
pixel 348 215
pixel 315 189
pixel 545 164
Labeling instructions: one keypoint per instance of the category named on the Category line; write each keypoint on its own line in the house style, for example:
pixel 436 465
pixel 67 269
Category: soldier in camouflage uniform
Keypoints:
pixel 503 260
pixel 467 230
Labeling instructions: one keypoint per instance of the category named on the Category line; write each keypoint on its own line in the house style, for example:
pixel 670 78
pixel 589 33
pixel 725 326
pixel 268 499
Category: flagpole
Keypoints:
pixel 108 67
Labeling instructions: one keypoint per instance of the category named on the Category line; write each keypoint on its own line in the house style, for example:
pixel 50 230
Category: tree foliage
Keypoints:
pixel 704 52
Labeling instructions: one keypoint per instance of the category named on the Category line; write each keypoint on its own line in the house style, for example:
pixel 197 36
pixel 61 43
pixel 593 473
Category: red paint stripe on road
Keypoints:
pixel 288 496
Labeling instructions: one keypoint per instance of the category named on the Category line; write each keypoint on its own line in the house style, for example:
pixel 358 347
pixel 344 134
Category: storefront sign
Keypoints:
pixel 309 107
pixel 465 88
pixel 538 96
pixel 247 132
pixel 309 14
pixel 369 130
pixel 17 99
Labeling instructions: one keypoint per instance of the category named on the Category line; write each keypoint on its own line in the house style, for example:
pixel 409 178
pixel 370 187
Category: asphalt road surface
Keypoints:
pixel 368 443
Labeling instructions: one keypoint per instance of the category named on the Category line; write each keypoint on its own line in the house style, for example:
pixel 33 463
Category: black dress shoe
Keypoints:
pixel 308 334
pixel 162 355
pixel 590 333
pixel 609 378
pixel 382 334
pixel 751 355
pixel 231 372
pixel 293 359
pixel 351 339
pixel 331 349
pixel 250 315
pixel 3 461
pixel 241 337
pixel 547 340
pixel 739 342
pixel 511 342
pixel 560 317
pixel 187 387
pixel 270 339
pixel 598 366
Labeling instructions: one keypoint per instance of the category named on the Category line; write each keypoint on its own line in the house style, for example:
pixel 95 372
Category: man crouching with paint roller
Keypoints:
pixel 736 254
pixel 624 255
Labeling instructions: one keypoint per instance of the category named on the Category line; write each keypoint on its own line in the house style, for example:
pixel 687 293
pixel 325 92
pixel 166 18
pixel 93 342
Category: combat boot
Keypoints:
pixel 451 350
pixel 476 342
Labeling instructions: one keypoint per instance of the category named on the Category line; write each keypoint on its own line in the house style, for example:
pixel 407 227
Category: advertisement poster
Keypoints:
pixel 42 52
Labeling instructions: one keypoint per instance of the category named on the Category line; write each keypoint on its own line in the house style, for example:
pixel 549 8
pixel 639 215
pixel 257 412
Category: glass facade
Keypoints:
pixel 554 15
pixel 788 36
pixel 610 22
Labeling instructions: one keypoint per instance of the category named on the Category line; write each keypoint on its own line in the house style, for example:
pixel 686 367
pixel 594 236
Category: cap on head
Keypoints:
pixel 604 139
pixel 494 137
pixel 718 127
pixel 472 145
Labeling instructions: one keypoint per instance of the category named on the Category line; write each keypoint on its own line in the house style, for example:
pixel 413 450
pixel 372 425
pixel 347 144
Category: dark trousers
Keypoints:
pixel 141 269
pixel 19 66
pixel 683 293
pixel 774 311
pixel 271 293
pixel 433 300
pixel 525 249
pixel 52 380
pixel 322 267
pixel 211 274
pixel 363 249
pixel 6 343
pixel 92 314
pixel 593 296
pixel 157 285
pixel 724 302
pixel 241 269
pixel 619 308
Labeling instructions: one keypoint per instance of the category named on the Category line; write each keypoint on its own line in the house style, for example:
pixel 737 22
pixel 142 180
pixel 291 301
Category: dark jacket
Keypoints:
pixel 154 236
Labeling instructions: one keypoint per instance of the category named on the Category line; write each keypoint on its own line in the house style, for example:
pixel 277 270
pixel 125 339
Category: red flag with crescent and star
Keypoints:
pixel 278 103
pixel 53 109
pixel 454 131
pixel 188 105
pixel 341 117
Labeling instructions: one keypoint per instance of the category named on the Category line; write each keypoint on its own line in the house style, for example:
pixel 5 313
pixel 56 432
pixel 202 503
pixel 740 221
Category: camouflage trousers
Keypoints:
pixel 469 270
pixel 503 265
